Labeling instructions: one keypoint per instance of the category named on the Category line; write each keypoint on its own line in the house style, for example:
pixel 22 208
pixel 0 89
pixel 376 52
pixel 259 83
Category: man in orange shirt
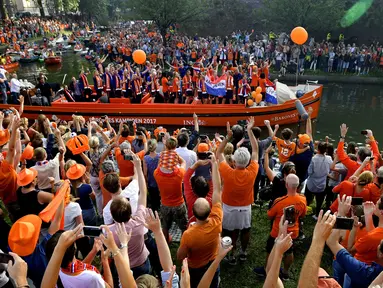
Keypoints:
pixel 200 243
pixel 237 195
pixel 165 87
pixel 123 160
pixel 173 206
pixel 297 205
pixel 362 153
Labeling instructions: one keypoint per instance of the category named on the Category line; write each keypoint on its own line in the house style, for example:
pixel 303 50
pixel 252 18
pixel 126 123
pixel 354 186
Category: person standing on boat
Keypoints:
pixel 45 89
pixel 75 89
pixel 126 84
pixel 108 81
pixel 137 89
pixel 188 87
pixel 98 83
pixel 229 88
pixel 3 88
pixel 15 89
pixel 116 84
pixel 86 92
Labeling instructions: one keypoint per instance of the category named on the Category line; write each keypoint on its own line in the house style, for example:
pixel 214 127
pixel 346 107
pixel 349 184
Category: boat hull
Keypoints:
pixel 179 114
pixel 11 67
pixel 53 60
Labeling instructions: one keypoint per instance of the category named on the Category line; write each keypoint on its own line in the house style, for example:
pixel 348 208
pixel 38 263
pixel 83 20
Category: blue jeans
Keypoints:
pixel 15 97
pixel 4 94
pixel 141 270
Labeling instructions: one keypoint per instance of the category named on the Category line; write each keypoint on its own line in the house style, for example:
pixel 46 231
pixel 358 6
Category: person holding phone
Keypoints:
pixel 292 207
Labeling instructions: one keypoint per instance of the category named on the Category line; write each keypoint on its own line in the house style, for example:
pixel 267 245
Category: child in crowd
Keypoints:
pixel 169 159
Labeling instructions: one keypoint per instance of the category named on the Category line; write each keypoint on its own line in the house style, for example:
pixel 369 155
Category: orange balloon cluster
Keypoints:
pixel 299 35
pixel 250 102
pixel 256 95
pixel 139 56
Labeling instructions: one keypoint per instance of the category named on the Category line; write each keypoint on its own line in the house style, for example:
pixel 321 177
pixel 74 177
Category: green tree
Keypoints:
pixel 97 10
pixel 70 5
pixel 314 15
pixel 3 11
pixel 168 12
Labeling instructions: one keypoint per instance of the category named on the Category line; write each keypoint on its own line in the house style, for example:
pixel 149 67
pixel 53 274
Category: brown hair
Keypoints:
pixel 39 154
pixel 365 178
pixel 171 143
pixel 152 145
pixel 147 281
pixel 120 209
pixel 229 149
pixel 111 183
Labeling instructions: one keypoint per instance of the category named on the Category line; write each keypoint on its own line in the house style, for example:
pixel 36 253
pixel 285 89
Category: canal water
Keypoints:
pixel 359 106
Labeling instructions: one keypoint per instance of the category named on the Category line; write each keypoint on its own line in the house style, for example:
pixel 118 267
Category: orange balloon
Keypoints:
pixel 139 56
pixel 258 98
pixel 250 102
pixel 253 94
pixel 258 90
pixel 299 35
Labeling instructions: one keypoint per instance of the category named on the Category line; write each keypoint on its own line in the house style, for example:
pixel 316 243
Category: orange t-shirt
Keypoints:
pixel 170 186
pixel 202 241
pixel 265 70
pixel 366 247
pixel 126 166
pixel 8 182
pixel 276 212
pixel 349 189
pixel 164 83
pixel 106 196
pixel 285 150
pixel 254 80
pixel 375 191
pixel 153 58
pixel 193 55
pixel 360 233
pixel 238 184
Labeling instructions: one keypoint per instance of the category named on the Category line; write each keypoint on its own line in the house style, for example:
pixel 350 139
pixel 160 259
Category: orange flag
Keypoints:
pixel 49 212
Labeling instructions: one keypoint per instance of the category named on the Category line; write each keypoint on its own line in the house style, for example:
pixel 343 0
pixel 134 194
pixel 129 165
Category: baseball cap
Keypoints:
pixel 304 138
pixel 203 148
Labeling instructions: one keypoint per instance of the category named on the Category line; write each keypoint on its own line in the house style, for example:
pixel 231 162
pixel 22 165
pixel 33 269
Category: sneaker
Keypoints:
pixel 315 217
pixel 232 261
pixel 284 276
pixel 260 271
pixel 243 256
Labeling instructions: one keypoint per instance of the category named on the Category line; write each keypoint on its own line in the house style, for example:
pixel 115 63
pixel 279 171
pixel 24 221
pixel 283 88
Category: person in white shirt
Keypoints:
pixel 49 168
pixel 112 183
pixel 189 156
pixel 15 89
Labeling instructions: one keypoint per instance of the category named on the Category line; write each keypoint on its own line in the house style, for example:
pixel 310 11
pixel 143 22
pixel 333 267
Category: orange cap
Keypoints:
pixel 203 147
pixel 26 176
pixel 4 137
pixel 27 153
pixel 24 235
pixel 304 138
pixel 75 171
pixel 78 144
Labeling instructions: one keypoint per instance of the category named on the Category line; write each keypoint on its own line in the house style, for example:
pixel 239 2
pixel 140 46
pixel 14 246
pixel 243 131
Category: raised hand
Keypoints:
pixel 344 205
pixel 343 130
pixel 324 226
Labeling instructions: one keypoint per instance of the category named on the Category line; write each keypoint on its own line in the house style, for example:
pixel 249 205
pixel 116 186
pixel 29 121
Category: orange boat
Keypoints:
pixel 214 115
pixel 11 67
pixel 54 60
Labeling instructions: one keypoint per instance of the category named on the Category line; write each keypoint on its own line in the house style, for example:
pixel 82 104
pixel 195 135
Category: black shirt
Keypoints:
pixel 45 89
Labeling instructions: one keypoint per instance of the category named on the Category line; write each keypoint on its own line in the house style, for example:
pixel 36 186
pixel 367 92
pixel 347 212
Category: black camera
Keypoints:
pixel 128 157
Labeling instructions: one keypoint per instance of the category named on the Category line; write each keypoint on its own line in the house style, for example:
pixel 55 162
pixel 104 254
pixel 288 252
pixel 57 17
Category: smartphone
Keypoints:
pixel 203 155
pixel 5 258
pixel 356 201
pixel 289 213
pixel 274 143
pixel 103 117
pixel 128 157
pixel 343 223
pixel 92 231
pixel 372 158
pixel 363 132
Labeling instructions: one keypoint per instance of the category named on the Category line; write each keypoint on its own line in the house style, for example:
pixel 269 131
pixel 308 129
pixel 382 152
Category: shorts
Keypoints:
pixel 236 218
pixel 189 93
pixel 270 244
pixel 177 214
pixel 229 94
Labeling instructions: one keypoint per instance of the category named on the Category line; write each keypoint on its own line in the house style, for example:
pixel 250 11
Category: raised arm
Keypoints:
pixel 141 180
pixel 12 140
pixel 309 273
pixel 269 129
pixel 66 239
pixel 217 191
pixel 61 144
pixel 269 173
pixel 88 163
pixel 222 145
pixel 253 141
pixel 196 124
pixel 106 152
pixel 16 160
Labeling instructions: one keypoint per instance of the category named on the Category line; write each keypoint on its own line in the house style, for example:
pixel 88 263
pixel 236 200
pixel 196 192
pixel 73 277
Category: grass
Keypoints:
pixel 242 274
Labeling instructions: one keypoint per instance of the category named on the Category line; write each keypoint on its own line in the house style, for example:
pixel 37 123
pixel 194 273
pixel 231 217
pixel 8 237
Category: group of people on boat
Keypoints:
pixel 61 180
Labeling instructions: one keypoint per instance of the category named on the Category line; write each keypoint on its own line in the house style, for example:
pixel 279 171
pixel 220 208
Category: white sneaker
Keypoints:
pixel 315 217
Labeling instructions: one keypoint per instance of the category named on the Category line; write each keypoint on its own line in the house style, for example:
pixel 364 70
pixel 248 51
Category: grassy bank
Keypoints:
pixel 242 274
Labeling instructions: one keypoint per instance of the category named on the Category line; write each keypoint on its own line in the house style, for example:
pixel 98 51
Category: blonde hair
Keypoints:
pixel 147 281
pixel 94 142
pixel 365 178
pixel 69 164
pixel 152 145
pixel 229 149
